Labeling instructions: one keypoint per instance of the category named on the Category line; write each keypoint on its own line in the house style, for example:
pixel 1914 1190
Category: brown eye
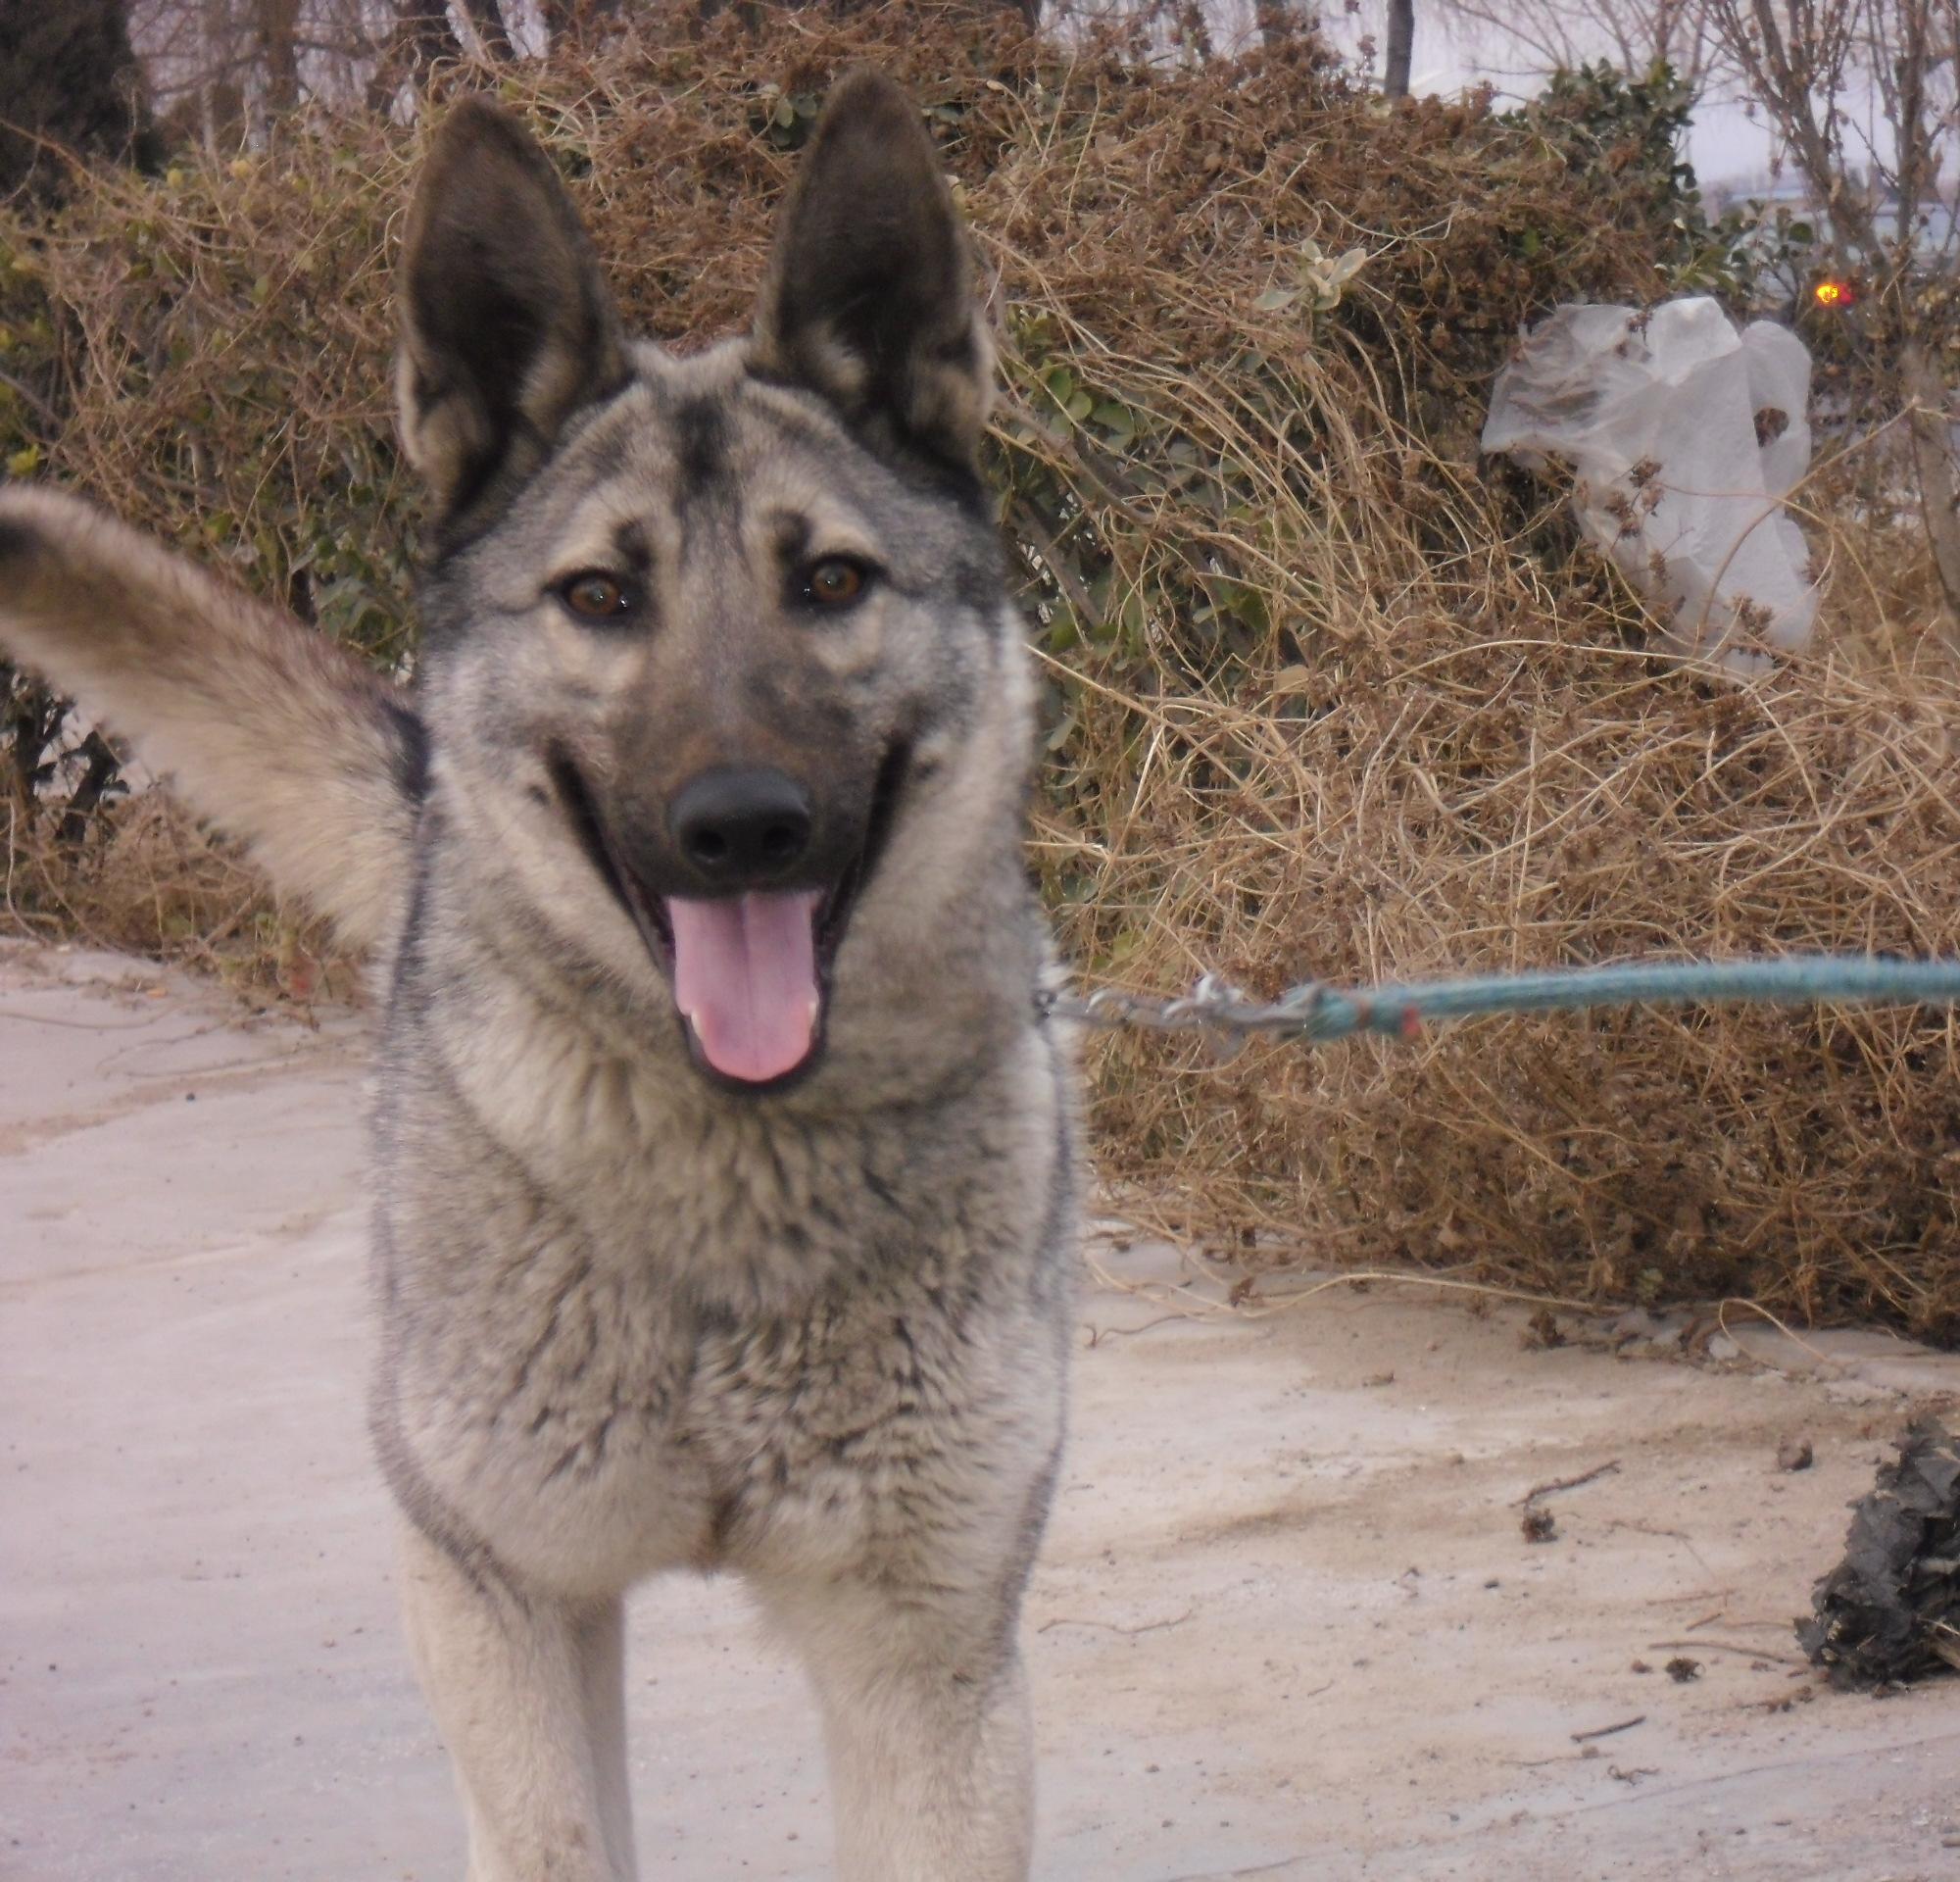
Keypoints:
pixel 595 597
pixel 835 582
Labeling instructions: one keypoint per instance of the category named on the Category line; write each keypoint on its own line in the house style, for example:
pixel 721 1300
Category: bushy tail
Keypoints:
pixel 268 729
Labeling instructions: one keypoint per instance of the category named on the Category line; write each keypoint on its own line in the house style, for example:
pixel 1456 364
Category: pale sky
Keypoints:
pixel 1723 145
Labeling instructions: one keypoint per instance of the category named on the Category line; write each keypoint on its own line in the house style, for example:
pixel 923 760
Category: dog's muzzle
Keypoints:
pixel 743 899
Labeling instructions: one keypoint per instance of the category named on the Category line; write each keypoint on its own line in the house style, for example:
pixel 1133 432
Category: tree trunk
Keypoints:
pixel 421 37
pixel 1931 429
pixel 67 76
pixel 278 27
pixel 488 20
pixel 1402 48
pixel 429 39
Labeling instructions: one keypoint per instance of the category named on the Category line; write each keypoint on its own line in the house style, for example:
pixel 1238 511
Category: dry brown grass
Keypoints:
pixel 1331 698
pixel 151 881
pixel 1458 797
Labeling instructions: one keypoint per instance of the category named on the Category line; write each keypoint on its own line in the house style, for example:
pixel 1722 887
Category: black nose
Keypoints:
pixel 737 824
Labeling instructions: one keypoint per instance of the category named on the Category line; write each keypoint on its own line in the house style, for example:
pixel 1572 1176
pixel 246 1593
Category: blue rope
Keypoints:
pixel 1792 980
pixel 1319 1014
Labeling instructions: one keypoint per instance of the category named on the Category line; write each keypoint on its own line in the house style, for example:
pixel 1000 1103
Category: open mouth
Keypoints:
pixel 749 969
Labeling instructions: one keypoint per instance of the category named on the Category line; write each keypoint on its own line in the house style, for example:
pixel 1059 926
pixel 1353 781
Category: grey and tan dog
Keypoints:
pixel 725 1182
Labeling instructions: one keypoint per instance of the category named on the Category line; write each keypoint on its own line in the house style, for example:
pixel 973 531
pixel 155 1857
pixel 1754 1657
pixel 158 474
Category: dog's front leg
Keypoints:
pixel 926 1725
pixel 528 1693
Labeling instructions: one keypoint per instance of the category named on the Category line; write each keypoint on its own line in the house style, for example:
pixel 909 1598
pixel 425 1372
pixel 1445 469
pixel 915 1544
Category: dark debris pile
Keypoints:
pixel 1890 1613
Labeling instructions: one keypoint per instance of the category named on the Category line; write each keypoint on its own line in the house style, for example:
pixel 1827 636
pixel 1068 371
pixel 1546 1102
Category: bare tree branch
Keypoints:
pixel 1807 62
pixel 1633 35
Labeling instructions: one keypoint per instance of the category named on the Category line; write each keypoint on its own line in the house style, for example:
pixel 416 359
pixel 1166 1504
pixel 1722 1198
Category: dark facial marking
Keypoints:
pixel 792 537
pixel 16 541
pixel 629 544
pixel 701 452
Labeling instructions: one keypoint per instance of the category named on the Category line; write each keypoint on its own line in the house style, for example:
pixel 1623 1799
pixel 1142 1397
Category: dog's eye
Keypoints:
pixel 593 596
pixel 835 582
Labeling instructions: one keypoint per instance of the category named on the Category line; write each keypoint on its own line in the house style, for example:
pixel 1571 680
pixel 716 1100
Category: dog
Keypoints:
pixel 726 1179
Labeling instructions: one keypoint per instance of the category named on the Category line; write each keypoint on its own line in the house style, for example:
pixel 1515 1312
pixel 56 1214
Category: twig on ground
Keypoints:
pixel 1795 1339
pixel 1607 1731
pixel 1111 1626
pixel 1098 1334
pixel 1567 1483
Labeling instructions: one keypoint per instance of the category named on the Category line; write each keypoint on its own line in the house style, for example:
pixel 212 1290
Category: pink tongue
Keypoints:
pixel 745 975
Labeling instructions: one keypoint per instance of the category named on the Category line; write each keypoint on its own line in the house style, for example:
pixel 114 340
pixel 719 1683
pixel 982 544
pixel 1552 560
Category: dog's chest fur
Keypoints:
pixel 625 1329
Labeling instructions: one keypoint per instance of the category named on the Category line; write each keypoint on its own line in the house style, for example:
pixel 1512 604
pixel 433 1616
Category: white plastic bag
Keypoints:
pixel 1686 436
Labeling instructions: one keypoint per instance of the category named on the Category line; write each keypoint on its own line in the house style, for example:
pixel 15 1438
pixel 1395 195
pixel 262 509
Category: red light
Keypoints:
pixel 1832 295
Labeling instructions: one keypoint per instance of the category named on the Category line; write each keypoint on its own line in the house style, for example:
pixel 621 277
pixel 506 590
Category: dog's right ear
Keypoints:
pixel 870 298
pixel 507 325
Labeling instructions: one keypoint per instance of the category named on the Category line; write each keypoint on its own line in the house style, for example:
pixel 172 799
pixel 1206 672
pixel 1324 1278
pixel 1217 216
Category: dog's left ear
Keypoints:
pixel 507 325
pixel 869 300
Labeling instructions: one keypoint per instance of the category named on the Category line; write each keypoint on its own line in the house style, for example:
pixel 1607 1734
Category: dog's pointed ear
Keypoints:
pixel 507 325
pixel 869 299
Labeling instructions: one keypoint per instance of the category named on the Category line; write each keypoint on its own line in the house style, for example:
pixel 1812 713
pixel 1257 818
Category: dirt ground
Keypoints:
pixel 1285 1624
